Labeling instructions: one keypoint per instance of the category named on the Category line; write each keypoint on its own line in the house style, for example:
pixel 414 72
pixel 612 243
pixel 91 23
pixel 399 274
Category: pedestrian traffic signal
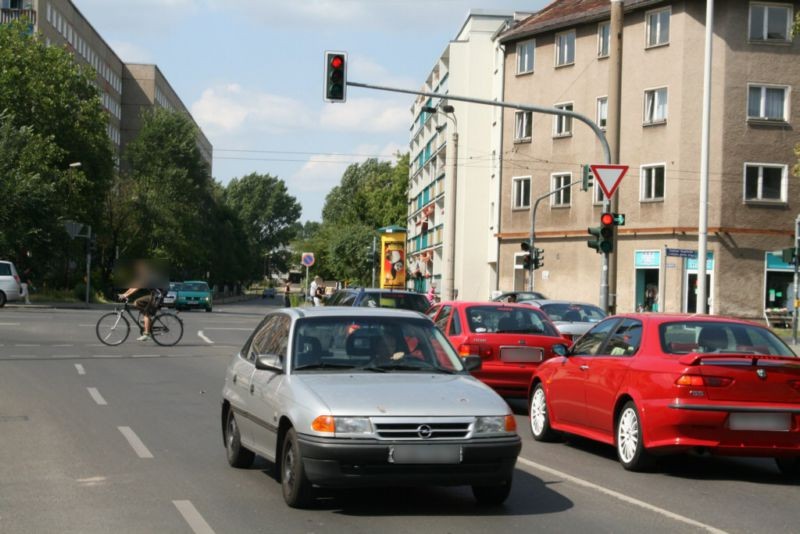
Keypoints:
pixel 335 76
pixel 603 236
pixel 538 258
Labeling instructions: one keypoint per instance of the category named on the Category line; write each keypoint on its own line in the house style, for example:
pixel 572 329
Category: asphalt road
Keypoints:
pixel 127 439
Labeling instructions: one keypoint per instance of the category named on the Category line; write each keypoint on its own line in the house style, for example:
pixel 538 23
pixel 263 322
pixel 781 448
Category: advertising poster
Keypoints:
pixel 393 261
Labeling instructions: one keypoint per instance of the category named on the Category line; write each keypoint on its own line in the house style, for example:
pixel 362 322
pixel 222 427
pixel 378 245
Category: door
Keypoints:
pixel 690 296
pixel 243 369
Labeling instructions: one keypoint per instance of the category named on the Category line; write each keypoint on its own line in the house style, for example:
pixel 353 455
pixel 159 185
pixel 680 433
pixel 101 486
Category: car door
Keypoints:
pixel 606 373
pixel 566 391
pixel 241 380
pixel 455 332
pixel 265 386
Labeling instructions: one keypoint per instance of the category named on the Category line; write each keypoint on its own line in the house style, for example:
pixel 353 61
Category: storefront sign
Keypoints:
pixel 691 263
pixel 682 252
pixel 647 259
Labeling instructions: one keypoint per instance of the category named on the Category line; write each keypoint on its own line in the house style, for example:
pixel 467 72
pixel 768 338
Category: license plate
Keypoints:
pixel 425 454
pixel 774 422
pixel 521 354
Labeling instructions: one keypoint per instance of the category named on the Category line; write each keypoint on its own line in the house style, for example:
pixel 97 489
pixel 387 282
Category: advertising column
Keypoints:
pixel 393 257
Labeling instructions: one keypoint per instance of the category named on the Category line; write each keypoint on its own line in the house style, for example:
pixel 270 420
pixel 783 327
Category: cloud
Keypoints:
pixel 365 70
pixel 369 115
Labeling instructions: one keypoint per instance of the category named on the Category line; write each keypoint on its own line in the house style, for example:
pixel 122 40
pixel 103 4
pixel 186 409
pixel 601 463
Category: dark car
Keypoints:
pixel 517 296
pixel 379 298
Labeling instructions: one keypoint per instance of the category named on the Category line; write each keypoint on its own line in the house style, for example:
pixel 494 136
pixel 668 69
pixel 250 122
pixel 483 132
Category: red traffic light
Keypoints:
pixel 337 62
pixel 607 219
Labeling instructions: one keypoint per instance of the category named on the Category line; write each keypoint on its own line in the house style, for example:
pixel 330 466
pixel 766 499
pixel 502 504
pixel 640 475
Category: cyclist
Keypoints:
pixel 148 304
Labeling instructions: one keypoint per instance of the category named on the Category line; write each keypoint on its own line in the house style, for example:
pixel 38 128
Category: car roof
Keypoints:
pixel 380 290
pixel 540 302
pixel 660 318
pixel 491 304
pixel 349 311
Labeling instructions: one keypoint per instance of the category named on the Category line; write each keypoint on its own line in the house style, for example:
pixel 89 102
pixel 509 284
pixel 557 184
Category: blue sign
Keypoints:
pixel 691 263
pixel 647 258
pixel 308 259
pixel 682 252
pixel 775 262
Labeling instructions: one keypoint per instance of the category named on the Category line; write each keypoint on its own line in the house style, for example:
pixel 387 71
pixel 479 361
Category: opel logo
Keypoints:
pixel 762 374
pixel 424 431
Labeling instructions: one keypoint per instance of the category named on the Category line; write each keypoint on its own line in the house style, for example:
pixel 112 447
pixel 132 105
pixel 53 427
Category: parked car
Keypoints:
pixel 573 319
pixel 194 294
pixel 517 296
pixel 355 397
pixel 379 298
pixel 268 293
pixel 655 384
pixel 10 289
pixel 511 339
pixel 172 295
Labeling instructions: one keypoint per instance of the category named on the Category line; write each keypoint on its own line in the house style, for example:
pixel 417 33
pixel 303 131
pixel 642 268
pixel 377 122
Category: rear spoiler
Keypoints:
pixel 739 359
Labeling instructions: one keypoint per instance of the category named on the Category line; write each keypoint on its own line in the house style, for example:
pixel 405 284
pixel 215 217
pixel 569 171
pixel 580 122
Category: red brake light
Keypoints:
pixel 700 381
pixel 468 350
pixel 795 384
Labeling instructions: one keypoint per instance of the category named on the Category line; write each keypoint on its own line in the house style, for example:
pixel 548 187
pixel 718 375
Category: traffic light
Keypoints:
pixel 603 236
pixel 538 258
pixel 586 180
pixel 527 259
pixel 335 76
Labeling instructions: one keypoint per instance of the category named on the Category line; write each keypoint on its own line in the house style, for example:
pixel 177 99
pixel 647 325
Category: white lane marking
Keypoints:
pixel 97 397
pixel 135 443
pixel 146 356
pixel 27 345
pixel 202 336
pixel 620 496
pixel 193 517
pixel 63 345
pixel 80 369
pixel 9 324
pixel 106 355
pixel 93 324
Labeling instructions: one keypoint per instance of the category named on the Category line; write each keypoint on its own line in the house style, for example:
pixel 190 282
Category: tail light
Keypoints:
pixel 471 349
pixel 795 384
pixel 700 381
pixel 16 277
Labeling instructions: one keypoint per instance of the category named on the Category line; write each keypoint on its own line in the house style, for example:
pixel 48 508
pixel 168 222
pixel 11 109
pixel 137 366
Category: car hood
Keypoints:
pixel 402 394
pixel 193 293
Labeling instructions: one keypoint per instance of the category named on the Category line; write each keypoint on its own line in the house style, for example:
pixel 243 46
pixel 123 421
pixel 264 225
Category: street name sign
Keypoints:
pixel 307 259
pixel 609 177
pixel 682 252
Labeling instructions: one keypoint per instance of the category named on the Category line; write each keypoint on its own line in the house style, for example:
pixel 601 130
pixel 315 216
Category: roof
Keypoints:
pixel 348 311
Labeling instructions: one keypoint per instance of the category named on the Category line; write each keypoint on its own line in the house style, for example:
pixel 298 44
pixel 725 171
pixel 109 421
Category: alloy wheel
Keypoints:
pixel 628 435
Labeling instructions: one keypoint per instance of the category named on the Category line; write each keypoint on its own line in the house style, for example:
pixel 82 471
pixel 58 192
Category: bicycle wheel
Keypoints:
pixel 113 329
pixel 167 329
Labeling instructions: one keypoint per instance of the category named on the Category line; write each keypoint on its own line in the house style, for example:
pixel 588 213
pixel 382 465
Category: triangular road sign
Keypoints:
pixel 609 177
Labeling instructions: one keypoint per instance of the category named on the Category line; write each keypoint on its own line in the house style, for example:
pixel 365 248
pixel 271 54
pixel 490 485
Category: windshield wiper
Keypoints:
pixel 399 366
pixel 324 365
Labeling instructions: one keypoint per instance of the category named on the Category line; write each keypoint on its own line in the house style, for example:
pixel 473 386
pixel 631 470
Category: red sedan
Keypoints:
pixel 657 383
pixel 511 339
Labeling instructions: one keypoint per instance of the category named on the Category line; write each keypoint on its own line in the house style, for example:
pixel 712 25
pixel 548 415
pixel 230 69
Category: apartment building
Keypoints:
pixel 464 68
pixel 60 23
pixel 559 57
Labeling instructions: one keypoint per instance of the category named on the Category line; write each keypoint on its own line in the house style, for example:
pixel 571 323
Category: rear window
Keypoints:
pixel 508 320
pixel 5 269
pixel 720 337
pixel 403 301
pixel 575 313
pixel 194 286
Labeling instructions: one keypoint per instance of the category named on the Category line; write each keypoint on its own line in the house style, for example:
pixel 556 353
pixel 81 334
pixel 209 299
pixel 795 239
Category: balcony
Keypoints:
pixel 10 15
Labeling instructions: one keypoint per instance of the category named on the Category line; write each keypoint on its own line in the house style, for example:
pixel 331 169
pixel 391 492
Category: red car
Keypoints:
pixel 511 339
pixel 657 383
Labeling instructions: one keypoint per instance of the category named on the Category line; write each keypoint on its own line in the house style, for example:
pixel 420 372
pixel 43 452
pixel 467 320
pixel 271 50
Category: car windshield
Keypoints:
pixel 403 301
pixel 194 286
pixel 382 344
pixel 575 313
pixel 684 337
pixel 508 320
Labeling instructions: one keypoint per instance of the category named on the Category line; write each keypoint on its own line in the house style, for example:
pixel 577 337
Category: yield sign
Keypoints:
pixel 609 177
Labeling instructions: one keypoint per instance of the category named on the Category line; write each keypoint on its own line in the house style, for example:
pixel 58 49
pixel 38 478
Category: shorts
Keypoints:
pixel 146 304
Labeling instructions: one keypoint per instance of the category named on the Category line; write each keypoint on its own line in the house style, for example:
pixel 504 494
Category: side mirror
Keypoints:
pixel 472 363
pixel 560 349
pixel 269 362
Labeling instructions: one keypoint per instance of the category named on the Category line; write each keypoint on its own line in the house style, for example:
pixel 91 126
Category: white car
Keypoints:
pixel 10 288
pixel 172 294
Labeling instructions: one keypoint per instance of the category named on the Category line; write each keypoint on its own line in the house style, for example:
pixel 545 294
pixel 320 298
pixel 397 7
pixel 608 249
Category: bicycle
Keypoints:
pixel 114 328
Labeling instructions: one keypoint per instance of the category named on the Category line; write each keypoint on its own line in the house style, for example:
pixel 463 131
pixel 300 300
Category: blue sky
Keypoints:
pixel 251 73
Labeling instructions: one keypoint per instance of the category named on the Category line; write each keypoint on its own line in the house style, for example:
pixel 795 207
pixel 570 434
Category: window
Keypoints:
pixel 441 321
pixel 455 325
pixel 562 198
pixel 603 39
pixel 592 340
pixel 602 111
pixel 763 182
pixel 652 182
pixel 565 48
pixel 625 340
pixel 562 125
pixel 655 106
pixel 523 125
pixel 657 27
pixel 768 102
pixel 770 22
pixel 522 192
pixel 525 51
pixel 599 196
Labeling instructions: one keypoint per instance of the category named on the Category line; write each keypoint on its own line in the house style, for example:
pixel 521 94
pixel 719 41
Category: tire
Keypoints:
pixel 208 310
pixel 167 329
pixel 112 329
pixel 629 443
pixel 296 488
pixel 539 416
pixel 789 467
pixel 492 495
pixel 3 299
pixel 238 455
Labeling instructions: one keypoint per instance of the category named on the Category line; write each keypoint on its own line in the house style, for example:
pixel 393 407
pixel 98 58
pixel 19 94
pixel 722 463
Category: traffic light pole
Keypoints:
pixel 534 109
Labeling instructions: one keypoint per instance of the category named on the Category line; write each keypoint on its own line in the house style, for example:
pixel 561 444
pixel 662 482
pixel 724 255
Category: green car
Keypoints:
pixel 193 294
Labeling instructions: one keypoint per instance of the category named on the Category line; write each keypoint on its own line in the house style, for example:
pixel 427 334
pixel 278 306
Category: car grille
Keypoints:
pixel 433 428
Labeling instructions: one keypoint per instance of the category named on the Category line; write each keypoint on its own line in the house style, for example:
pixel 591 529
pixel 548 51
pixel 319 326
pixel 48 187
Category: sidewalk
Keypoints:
pixel 107 306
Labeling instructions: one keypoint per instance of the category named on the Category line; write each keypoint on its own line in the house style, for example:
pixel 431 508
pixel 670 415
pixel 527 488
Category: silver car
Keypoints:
pixel 10 289
pixel 572 319
pixel 344 397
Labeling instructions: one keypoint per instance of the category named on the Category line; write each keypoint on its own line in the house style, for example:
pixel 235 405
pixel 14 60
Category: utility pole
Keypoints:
pixel 374 246
pixel 613 134
pixel 88 262
pixel 702 226
pixel 450 200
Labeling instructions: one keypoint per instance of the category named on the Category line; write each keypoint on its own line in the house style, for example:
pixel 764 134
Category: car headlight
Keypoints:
pixel 496 424
pixel 205 298
pixel 352 425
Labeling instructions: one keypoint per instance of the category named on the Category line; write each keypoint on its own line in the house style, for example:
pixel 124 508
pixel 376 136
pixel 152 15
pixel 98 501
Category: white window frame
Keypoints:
pixel 647 28
pixel 765 39
pixel 558 48
pixel 520 46
pixel 787 95
pixel 597 111
pixel 597 196
pixel 642 178
pixel 518 180
pixel 527 118
pixel 559 120
pixel 557 199
pixel 759 200
pixel 600 26
pixel 646 121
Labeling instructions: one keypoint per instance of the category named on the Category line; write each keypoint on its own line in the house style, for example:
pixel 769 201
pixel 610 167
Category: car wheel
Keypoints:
pixel 2 299
pixel 208 309
pixel 789 467
pixel 492 495
pixel 539 416
pixel 630 445
pixel 296 487
pixel 238 455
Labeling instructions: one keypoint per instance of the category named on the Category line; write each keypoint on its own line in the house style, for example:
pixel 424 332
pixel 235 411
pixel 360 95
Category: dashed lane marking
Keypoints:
pixel 147 356
pixel 202 336
pixel 193 517
pixel 135 443
pixel 63 345
pixel 10 324
pixel 80 369
pixel 96 396
pixel 27 345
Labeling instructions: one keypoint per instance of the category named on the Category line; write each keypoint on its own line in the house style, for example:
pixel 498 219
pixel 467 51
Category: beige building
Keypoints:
pixel 559 57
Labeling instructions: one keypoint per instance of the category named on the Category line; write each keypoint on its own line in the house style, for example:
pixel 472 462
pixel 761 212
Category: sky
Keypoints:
pixel 251 73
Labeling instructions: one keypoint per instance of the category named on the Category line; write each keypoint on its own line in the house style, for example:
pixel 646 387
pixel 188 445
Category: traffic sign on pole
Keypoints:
pixel 609 177
pixel 307 259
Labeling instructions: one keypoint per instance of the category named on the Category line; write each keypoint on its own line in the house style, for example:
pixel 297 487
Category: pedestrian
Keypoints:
pixel 287 291
pixel 431 294
pixel 312 290
pixel 26 285
pixel 319 294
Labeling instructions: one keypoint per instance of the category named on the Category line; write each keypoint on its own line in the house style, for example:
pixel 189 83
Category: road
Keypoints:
pixel 127 439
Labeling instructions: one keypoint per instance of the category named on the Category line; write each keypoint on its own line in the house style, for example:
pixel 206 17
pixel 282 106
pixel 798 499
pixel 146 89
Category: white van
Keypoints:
pixel 10 288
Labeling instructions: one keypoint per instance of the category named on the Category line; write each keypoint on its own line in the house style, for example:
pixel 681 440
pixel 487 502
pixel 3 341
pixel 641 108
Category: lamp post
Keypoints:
pixel 74 230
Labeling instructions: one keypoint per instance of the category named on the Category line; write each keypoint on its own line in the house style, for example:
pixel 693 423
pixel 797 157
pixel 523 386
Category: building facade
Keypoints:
pixel 464 68
pixel 559 57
